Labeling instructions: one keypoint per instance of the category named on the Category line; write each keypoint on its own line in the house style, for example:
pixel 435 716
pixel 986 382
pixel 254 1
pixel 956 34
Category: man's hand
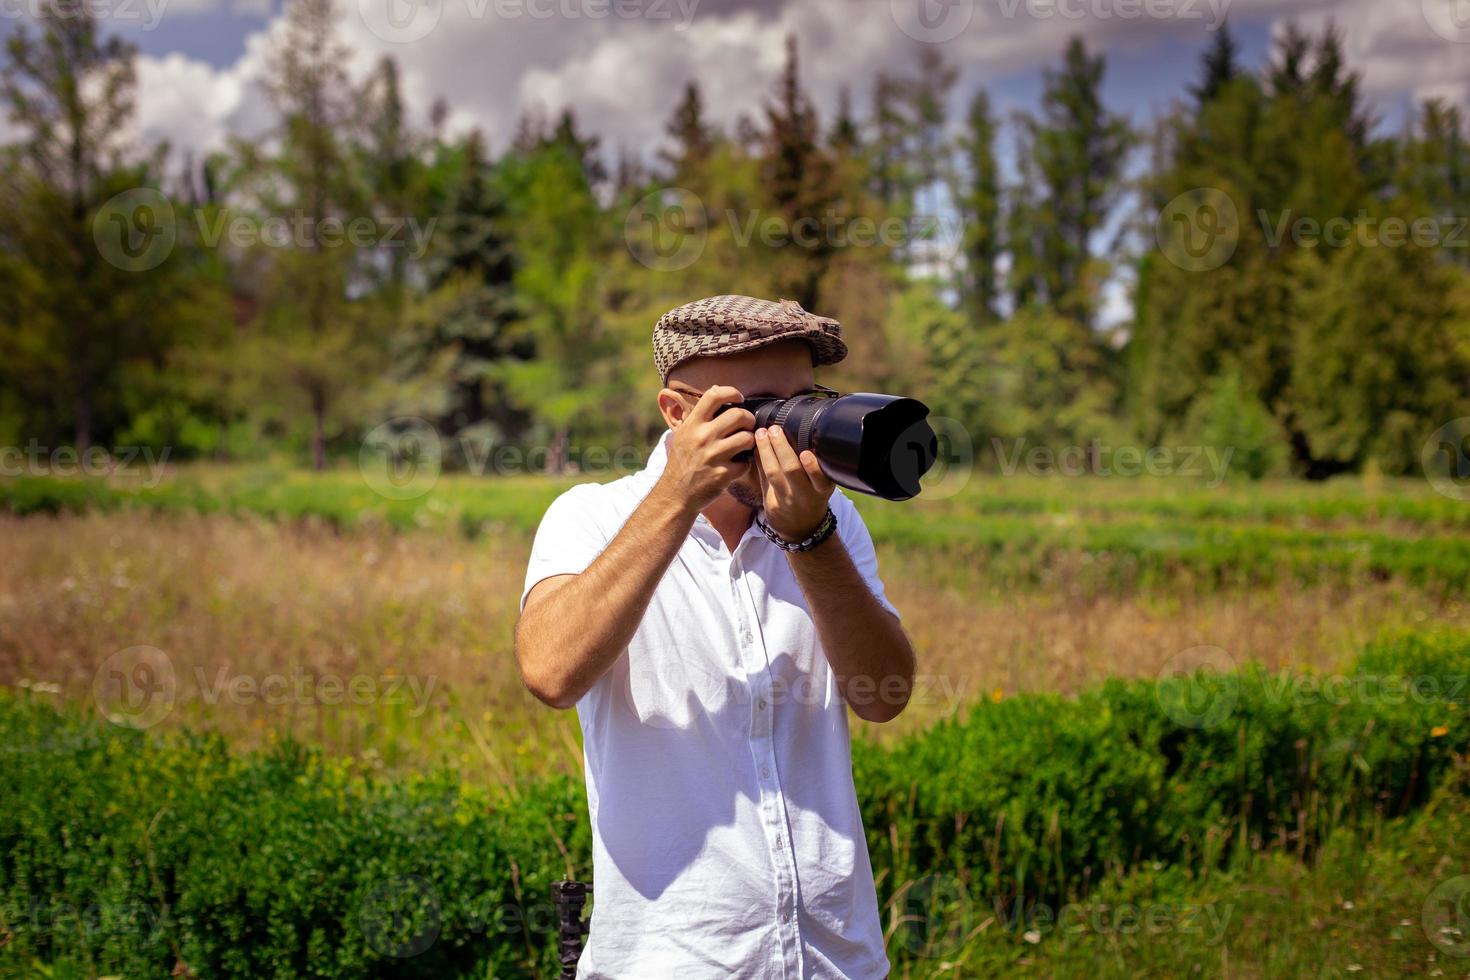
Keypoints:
pixel 793 486
pixel 699 467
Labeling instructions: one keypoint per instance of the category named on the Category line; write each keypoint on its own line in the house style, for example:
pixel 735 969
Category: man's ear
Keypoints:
pixel 672 407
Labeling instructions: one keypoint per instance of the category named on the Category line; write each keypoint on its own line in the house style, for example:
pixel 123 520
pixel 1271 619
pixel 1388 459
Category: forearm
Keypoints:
pixel 570 638
pixel 867 649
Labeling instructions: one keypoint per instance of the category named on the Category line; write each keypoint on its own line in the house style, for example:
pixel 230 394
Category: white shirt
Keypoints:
pixel 726 836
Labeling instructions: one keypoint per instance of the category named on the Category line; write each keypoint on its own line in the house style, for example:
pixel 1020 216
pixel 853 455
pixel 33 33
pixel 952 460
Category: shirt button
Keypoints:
pixel 763 704
pixel 748 636
pixel 765 773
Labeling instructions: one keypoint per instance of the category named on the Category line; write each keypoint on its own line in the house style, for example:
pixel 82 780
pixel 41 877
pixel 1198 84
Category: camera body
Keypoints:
pixel 872 443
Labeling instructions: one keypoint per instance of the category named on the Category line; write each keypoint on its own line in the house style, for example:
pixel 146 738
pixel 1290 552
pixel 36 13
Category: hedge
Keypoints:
pixel 140 854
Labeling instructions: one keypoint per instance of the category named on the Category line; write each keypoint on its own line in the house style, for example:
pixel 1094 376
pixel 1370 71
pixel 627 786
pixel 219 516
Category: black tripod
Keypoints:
pixel 569 897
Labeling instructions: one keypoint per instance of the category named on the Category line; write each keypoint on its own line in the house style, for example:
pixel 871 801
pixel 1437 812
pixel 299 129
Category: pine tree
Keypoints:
pixel 798 178
pixel 694 139
pixel 1287 75
pixel 391 155
pixel 929 98
pixel 977 197
pixel 1432 172
pixel 891 143
pixel 71 97
pixel 845 138
pixel 1078 148
pixel 1219 67
pixel 321 343
pixel 584 149
pixel 475 265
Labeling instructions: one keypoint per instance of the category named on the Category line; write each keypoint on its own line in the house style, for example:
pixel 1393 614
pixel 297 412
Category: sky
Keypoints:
pixel 621 64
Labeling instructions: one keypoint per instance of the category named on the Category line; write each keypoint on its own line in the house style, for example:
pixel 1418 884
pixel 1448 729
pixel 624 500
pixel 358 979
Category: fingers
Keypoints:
pixel 785 454
pixel 819 479
pixel 733 420
pixel 794 466
pixel 724 448
pixel 714 396
pixel 775 475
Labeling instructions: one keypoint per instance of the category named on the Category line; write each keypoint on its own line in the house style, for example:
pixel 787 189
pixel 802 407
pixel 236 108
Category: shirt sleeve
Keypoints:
pixel 859 544
pixel 569 537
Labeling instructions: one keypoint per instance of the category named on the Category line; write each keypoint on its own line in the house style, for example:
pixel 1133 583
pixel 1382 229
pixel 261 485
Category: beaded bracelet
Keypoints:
pixel 822 533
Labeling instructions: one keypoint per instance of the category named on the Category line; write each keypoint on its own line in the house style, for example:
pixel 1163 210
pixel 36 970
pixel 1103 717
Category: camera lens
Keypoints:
pixel 875 444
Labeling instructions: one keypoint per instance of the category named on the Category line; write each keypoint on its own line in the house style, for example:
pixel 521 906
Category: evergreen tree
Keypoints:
pixel 798 179
pixel 892 139
pixel 75 319
pixel 1287 75
pixel 845 138
pixel 1378 356
pixel 1078 148
pixel 558 280
pixel 1219 67
pixel 585 149
pixel 977 197
pixel 391 157
pixel 693 137
pixel 929 98
pixel 1432 171
pixel 312 334
pixel 474 265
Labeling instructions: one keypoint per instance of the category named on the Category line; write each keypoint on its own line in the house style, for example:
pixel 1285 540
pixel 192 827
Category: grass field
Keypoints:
pixel 287 605
pixel 243 575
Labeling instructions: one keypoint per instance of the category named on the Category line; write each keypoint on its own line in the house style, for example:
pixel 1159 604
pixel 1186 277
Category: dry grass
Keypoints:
pixel 422 623
pixel 996 645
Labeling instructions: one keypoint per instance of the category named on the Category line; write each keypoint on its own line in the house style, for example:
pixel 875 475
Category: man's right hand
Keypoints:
pixel 699 464
pixel 574 627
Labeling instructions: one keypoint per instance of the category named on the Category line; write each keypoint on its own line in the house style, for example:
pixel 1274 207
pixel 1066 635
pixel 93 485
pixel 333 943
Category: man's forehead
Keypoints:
pixel 779 365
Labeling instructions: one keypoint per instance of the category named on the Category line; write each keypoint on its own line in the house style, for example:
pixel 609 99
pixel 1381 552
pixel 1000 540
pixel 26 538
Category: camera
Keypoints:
pixel 875 444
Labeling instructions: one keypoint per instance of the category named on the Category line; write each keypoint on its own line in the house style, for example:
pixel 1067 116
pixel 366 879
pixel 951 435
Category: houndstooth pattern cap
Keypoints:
pixel 730 324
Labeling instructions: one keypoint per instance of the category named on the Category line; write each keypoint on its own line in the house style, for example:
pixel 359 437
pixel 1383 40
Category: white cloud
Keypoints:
pixel 490 58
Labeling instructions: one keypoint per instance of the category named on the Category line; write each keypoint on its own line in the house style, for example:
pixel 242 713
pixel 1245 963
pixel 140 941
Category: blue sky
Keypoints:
pixel 201 60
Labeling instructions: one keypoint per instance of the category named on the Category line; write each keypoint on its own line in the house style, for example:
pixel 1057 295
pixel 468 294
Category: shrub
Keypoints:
pixel 1037 798
pixel 139 854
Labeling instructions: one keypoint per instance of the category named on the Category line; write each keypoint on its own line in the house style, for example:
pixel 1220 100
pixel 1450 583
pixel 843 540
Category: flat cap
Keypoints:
pixel 729 324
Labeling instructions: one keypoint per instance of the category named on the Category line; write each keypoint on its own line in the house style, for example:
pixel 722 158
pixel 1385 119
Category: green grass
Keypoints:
pixel 1088 534
pixel 1370 904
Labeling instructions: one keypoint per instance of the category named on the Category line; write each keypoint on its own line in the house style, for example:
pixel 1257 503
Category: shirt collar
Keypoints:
pixel 656 458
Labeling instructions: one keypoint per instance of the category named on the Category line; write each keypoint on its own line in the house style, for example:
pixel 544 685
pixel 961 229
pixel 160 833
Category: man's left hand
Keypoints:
pixel 794 488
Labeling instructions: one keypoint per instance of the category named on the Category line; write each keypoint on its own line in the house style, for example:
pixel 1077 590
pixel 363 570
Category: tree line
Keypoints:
pixel 1299 277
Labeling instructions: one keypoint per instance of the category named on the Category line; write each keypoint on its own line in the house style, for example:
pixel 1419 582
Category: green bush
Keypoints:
pixel 1036 799
pixel 129 855
pixel 1230 418
pixel 122 852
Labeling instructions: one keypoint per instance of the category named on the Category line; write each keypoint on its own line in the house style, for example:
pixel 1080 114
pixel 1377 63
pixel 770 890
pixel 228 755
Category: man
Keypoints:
pixel 711 669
